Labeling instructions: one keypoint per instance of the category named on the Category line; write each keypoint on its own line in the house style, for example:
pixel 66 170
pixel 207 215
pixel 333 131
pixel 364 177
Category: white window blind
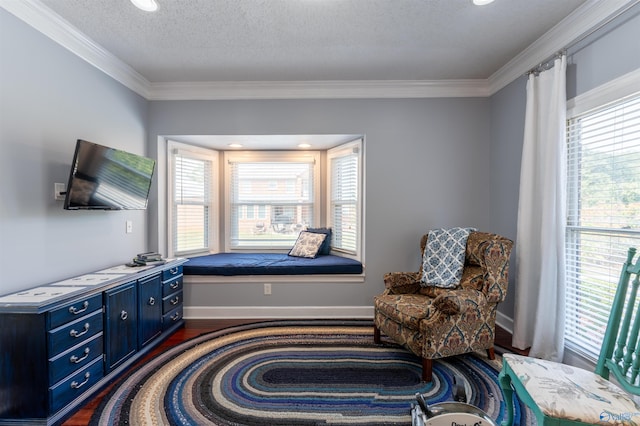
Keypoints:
pixel 603 215
pixel 344 192
pixel 277 191
pixel 192 200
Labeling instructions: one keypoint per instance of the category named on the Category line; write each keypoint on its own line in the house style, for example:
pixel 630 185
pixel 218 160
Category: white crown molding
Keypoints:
pixel 225 90
pixel 278 312
pixel 613 91
pixel 575 26
pixel 580 22
pixel 43 19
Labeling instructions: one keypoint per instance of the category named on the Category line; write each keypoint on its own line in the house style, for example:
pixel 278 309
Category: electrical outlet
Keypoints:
pixel 267 288
pixel 129 226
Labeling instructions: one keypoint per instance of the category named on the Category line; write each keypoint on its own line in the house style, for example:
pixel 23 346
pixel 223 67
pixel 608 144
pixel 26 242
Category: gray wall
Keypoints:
pixel 430 162
pixel 607 54
pixel 48 99
pixel 426 167
pixel 507 130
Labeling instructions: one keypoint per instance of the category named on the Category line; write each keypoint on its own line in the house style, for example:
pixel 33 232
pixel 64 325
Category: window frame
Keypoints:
pixel 268 156
pixel 353 147
pixel 615 92
pixel 206 154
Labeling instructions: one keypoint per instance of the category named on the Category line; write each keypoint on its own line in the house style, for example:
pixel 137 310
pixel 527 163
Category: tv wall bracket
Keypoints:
pixel 59 191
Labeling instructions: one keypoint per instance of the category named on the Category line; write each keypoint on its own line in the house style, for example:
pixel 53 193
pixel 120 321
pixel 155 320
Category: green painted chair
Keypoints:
pixel 559 394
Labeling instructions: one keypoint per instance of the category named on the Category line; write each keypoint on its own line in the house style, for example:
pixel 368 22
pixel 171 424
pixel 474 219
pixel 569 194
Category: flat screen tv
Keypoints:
pixel 104 178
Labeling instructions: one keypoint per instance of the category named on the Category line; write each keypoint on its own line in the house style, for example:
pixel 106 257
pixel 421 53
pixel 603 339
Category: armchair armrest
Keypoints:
pixel 402 282
pixel 454 302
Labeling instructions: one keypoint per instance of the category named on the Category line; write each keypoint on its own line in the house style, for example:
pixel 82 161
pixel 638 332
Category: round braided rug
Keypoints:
pixel 294 373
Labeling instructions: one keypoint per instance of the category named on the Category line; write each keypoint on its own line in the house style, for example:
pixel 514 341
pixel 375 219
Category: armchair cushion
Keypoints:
pixel 443 257
pixel 411 309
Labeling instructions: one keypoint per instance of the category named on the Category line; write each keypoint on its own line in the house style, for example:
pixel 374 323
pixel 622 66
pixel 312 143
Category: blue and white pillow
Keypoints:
pixel 443 257
pixel 307 245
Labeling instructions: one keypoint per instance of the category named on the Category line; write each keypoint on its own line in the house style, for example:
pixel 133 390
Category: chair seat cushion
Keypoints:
pixel 405 309
pixel 565 392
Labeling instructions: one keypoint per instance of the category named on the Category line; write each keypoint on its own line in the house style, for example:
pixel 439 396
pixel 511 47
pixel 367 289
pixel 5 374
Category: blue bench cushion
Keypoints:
pixel 228 264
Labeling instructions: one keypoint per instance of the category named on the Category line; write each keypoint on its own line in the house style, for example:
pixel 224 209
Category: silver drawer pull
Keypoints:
pixel 76 385
pixel 124 315
pixel 75 360
pixel 175 317
pixel 152 301
pixel 75 333
pixel 175 301
pixel 173 271
pixel 75 311
pixel 175 285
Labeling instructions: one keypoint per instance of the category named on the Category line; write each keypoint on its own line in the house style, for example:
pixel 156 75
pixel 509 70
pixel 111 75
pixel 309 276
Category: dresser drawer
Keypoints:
pixel 171 286
pixel 77 357
pixel 171 302
pixel 74 310
pixel 167 274
pixel 171 318
pixel 75 385
pixel 63 338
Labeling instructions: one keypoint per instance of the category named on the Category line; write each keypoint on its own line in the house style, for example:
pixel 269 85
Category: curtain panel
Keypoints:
pixel 540 244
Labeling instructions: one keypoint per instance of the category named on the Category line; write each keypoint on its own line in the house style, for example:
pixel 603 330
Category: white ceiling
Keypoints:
pixel 255 49
pixel 288 49
pixel 302 40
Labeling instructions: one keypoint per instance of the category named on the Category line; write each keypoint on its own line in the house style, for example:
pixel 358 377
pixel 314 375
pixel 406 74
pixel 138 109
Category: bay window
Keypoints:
pixel 261 200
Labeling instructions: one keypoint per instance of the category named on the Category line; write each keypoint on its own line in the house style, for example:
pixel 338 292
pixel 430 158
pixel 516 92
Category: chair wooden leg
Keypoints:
pixel 507 391
pixel 376 334
pixel 491 354
pixel 427 370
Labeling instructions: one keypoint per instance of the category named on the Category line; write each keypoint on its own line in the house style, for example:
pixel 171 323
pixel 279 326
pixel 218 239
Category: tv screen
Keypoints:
pixel 105 178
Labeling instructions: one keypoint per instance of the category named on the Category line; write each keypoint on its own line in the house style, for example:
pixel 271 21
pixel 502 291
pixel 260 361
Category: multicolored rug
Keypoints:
pixel 294 373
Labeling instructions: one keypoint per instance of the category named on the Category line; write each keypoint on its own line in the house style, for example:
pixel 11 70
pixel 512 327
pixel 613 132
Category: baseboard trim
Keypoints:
pixel 505 322
pixel 278 312
pixel 288 312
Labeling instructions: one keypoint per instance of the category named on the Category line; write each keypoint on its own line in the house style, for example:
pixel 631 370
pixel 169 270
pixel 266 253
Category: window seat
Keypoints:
pixel 232 264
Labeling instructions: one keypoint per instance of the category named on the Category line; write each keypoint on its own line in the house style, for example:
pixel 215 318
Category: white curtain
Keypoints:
pixel 540 259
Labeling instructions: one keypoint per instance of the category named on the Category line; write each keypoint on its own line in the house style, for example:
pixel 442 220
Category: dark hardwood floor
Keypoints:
pixel 194 328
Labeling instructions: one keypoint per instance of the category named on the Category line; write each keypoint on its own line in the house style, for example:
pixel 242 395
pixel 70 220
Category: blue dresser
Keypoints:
pixel 62 342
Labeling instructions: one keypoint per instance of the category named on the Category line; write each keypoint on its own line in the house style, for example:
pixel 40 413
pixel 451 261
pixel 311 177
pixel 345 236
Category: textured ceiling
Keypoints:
pixel 314 40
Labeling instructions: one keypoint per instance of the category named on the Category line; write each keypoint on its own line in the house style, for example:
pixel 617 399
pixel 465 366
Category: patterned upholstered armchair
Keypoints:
pixel 435 322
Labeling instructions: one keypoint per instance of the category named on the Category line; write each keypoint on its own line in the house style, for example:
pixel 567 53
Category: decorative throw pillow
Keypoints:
pixel 307 245
pixel 325 248
pixel 443 257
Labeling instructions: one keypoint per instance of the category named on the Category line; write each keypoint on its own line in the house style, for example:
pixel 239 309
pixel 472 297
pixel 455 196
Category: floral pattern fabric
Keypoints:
pixel 307 245
pixel 570 393
pixel 436 322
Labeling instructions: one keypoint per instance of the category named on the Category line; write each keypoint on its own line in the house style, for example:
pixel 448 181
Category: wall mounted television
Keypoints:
pixel 104 178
